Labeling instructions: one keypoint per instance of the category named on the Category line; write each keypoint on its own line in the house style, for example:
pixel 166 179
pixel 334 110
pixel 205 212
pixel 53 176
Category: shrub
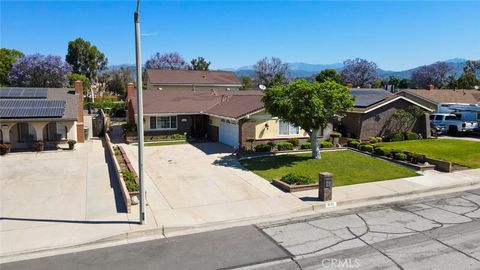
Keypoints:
pixel 382 151
pixel 379 139
pixel 366 147
pixel 283 146
pixel 335 135
pixel 353 143
pixel 263 148
pixel 326 144
pixel 306 145
pixel 396 137
pixel 177 137
pixel 272 144
pixel 400 156
pixel 415 157
pixel 296 179
pixel 373 140
pixel 132 186
pixel 294 141
pixel 410 136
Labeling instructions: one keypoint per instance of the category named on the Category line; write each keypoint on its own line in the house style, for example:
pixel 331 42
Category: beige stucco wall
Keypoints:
pixel 267 127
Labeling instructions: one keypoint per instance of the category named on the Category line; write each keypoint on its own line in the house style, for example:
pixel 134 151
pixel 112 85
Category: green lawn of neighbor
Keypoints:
pixel 347 167
pixel 165 143
pixel 461 152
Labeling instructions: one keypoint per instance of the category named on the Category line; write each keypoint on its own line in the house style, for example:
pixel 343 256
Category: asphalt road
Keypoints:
pixel 441 232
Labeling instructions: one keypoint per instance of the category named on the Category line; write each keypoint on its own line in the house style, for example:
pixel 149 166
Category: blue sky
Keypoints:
pixel 395 35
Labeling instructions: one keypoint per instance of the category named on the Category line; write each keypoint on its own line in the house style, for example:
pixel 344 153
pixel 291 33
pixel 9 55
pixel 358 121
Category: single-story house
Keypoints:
pixel 229 117
pixel 157 79
pixel 435 98
pixel 48 114
pixel 374 115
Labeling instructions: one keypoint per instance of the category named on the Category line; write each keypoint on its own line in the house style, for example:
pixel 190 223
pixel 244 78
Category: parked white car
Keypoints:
pixel 451 123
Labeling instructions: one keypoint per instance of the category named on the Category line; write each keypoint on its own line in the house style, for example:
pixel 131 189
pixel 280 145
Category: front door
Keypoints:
pixel 199 126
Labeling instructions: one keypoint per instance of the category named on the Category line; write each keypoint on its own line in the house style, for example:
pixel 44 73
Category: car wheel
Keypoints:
pixel 452 130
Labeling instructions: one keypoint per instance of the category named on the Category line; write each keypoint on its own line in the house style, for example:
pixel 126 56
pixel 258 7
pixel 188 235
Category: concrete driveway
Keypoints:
pixel 195 184
pixel 52 199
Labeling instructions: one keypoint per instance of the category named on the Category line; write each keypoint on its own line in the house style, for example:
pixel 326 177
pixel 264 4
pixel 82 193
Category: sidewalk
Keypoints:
pixel 429 181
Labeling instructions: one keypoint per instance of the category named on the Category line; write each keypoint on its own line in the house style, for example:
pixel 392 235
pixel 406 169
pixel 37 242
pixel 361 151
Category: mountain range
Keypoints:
pixel 301 70
pixel 305 70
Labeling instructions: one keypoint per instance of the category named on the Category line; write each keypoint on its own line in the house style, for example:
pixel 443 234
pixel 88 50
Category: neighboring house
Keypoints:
pixel 49 114
pixel 229 117
pixel 373 111
pixel 435 98
pixel 158 79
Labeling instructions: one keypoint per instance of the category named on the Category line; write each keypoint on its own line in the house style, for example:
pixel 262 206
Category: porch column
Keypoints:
pixel 38 126
pixel 71 130
pixel 6 132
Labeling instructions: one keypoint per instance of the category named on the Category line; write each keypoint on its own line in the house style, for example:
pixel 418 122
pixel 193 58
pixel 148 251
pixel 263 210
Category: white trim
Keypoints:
pixel 400 97
pixel 162 129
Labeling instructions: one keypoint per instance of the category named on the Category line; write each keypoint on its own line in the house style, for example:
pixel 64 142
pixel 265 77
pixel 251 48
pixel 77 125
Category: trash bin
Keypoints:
pixel 85 133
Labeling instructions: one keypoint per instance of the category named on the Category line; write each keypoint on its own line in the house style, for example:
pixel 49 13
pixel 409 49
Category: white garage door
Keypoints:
pixel 228 133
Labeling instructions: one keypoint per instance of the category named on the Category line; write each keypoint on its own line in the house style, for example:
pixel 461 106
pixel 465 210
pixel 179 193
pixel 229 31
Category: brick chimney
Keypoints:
pixel 131 103
pixel 80 125
pixel 430 87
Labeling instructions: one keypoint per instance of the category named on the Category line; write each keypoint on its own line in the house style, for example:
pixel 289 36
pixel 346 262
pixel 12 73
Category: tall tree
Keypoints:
pixel 7 58
pixel 172 60
pixel 329 74
pixel 247 83
pixel 73 77
pixel 359 72
pixel 472 66
pixel 271 72
pixel 308 105
pixel 40 71
pixel 199 64
pixel 85 58
pixel 118 80
pixel 435 74
pixel 404 84
pixel 468 81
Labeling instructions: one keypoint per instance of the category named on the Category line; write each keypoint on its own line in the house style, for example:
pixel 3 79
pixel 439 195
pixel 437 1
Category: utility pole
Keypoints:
pixel 139 115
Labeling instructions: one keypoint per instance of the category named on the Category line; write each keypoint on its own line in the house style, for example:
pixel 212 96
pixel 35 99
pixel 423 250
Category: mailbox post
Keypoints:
pixel 325 183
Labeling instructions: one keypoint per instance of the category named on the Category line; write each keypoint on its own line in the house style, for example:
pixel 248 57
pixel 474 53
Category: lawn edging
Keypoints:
pixel 123 187
pixel 417 167
pixel 289 152
pixel 292 188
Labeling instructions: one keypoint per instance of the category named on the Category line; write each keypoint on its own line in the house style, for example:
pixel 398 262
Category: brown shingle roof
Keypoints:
pixel 231 104
pixel 445 95
pixel 158 76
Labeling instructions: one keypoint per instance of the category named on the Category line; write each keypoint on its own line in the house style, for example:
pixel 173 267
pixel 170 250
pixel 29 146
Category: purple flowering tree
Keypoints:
pixel 172 60
pixel 40 71
pixel 435 74
pixel 359 72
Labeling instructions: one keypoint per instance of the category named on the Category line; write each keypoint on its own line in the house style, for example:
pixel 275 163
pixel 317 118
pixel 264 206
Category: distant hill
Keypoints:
pixel 305 70
pixel 299 69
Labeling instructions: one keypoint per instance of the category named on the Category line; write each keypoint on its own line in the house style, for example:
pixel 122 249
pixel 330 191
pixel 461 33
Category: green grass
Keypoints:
pixel 461 152
pixel 165 143
pixel 347 167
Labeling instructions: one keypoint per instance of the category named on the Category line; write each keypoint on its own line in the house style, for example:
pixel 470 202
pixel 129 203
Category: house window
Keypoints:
pixel 56 132
pixel 26 133
pixel 285 128
pixel 163 122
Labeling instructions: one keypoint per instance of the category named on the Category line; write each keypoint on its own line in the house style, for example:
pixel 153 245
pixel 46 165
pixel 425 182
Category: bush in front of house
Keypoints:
pixel 414 157
pixel 396 137
pixel 306 145
pixel 366 147
pixel 296 179
pixel 400 156
pixel 294 141
pixel 335 135
pixel 326 144
pixel 353 143
pixel 71 144
pixel 410 135
pixel 263 148
pixel 5 148
pixel 284 146
pixel 382 151
pixel 373 140
pixel 177 137
pixel 272 144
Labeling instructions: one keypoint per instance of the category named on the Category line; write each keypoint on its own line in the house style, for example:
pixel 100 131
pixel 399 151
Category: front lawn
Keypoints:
pixel 347 167
pixel 461 152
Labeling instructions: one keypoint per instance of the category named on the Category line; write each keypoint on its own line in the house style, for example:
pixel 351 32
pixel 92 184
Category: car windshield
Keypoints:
pixel 450 117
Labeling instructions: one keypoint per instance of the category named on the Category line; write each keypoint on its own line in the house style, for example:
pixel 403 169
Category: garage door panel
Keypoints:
pixel 228 133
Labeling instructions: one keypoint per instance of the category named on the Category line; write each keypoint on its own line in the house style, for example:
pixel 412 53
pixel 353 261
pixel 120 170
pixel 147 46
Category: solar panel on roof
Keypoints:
pixel 31 108
pixel 17 92
pixel 368 97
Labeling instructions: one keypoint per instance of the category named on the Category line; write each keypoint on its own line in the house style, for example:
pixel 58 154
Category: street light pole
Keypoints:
pixel 139 115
